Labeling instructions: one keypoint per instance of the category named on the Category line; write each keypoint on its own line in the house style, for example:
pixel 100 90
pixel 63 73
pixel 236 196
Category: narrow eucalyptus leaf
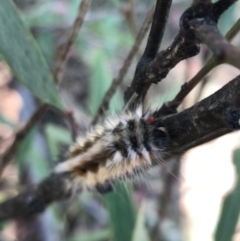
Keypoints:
pixel 229 215
pixel 22 54
pixel 122 212
pixel 140 231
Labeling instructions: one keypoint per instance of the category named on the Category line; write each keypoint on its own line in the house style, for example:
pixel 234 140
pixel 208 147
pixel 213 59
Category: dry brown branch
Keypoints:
pixel 82 10
pixel 128 12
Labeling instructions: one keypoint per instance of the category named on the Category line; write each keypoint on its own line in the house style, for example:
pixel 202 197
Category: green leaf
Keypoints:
pixel 100 82
pixel 230 209
pixel 140 232
pixel 22 54
pixel 122 212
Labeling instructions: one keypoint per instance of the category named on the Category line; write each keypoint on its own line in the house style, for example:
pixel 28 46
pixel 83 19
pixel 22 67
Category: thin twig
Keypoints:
pixel 188 86
pixel 39 113
pixel 208 33
pixel 233 31
pixel 211 64
pixel 117 81
pixel 128 11
pixel 82 10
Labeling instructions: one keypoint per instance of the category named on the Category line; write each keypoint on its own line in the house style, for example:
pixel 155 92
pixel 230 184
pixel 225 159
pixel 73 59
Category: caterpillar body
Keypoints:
pixel 119 147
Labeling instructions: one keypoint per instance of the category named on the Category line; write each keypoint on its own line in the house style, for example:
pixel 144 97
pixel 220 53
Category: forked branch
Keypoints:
pixel 153 67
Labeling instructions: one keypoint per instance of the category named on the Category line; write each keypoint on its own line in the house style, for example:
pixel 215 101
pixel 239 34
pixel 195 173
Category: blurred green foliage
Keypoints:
pixel 23 56
pixel 229 216
pixel 122 212
pixel 140 232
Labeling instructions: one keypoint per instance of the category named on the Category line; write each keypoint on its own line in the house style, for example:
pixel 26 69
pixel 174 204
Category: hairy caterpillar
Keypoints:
pixel 119 147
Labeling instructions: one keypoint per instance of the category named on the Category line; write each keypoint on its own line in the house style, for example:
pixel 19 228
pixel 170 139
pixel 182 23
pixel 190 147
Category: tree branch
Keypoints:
pixel 205 120
pixel 207 32
pixel 153 67
pixel 211 63
pixel 82 10
pixel 157 30
pixel 144 72
pixel 201 123
pixel 36 199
